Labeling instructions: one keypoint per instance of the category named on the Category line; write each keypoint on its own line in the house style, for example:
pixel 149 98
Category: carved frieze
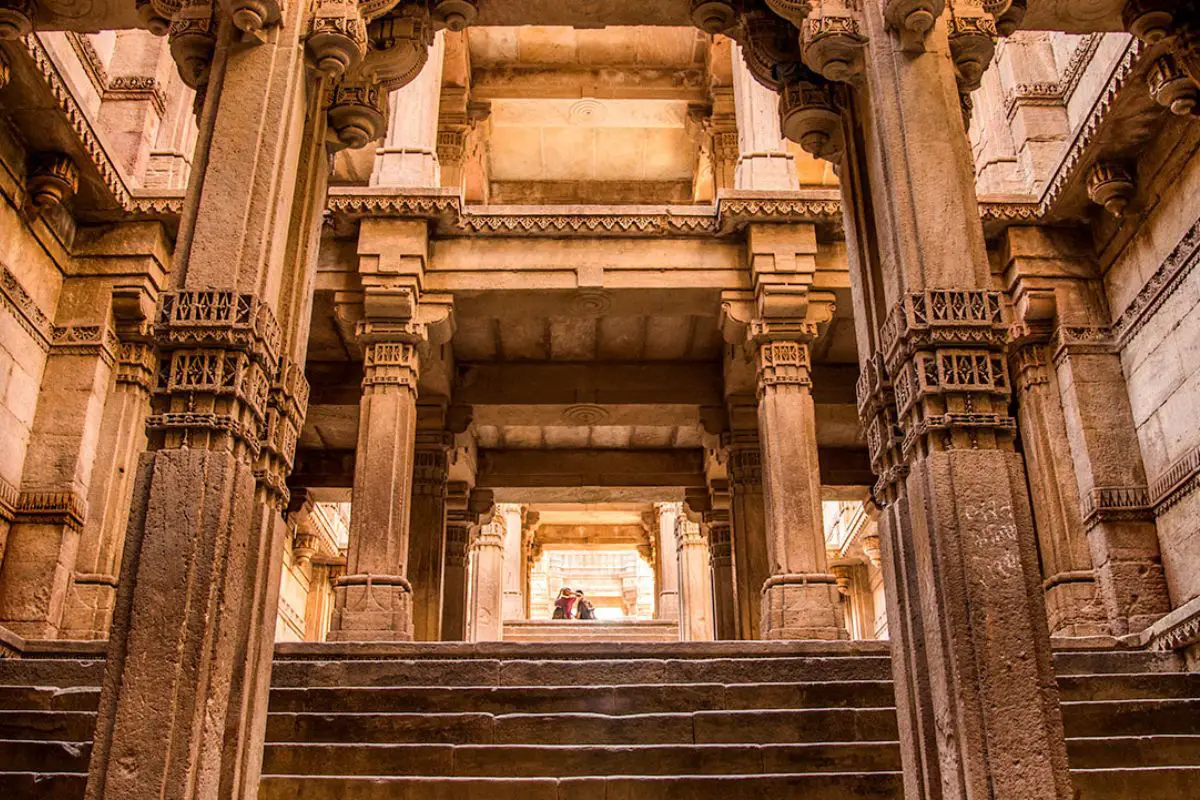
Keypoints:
pixel 219 357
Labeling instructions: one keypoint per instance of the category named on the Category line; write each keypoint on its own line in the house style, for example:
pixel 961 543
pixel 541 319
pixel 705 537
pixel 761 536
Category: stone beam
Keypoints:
pixel 599 383
pixel 566 468
pixel 551 470
pixel 574 81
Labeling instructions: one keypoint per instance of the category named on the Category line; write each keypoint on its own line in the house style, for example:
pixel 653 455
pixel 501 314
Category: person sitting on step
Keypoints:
pixel 564 605
pixel 586 609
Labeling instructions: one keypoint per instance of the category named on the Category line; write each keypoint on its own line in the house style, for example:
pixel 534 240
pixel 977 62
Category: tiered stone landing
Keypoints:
pixel 630 721
pixel 571 631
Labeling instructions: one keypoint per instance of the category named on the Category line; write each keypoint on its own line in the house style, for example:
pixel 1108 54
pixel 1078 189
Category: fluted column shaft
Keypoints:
pixel 668 587
pixel 695 582
pixel 764 162
pixel 800 598
pixel 427 534
pixel 374 598
pixel 408 157
pixel 487 583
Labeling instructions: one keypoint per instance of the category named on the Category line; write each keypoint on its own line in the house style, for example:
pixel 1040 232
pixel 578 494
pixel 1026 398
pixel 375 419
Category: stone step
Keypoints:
pixel 575 631
pixel 703 727
pixel 1134 751
pixel 1100 662
pixel 42 786
pixel 1131 717
pixel 44 756
pixel 48 698
pixel 563 672
pixel 1130 686
pixel 811 786
pixel 629 699
pixel 1159 783
pixel 65 726
pixel 60 672
pixel 574 761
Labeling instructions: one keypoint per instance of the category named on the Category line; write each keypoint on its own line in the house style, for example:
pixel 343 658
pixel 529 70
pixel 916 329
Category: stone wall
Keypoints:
pixel 1154 290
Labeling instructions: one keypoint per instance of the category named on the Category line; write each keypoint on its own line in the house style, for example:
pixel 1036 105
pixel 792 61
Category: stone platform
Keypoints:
pixel 568 630
pixel 582 720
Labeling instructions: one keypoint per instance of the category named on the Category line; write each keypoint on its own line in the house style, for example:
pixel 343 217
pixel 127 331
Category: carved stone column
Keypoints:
pixel 695 580
pixel 427 535
pixel 668 577
pixel 764 162
pixel 460 519
pixel 409 154
pixel 93 589
pixel 720 549
pixel 1072 607
pixel 514 560
pixel 486 613
pixel 800 599
pixel 748 511
pixel 975 689
pixel 1063 324
pixel 1117 513
pixel 227 407
pixel 374 599
pixel 43 541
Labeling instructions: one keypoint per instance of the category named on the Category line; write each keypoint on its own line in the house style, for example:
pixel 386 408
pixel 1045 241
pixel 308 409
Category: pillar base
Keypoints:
pixel 372 608
pixel 802 607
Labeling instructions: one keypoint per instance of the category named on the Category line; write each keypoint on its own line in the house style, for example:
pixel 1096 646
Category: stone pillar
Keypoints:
pixel 409 155
pixel 487 582
pixel 169 164
pixel 1117 513
pixel 182 711
pixel 749 525
pixel 720 550
pixel 43 541
pixel 454 583
pixel 374 599
pixel 668 561
pixel 514 560
pixel 427 537
pixel 800 599
pixel 975 688
pixel 1072 606
pixel 764 163
pixel 93 589
pixel 1077 424
pixel 695 580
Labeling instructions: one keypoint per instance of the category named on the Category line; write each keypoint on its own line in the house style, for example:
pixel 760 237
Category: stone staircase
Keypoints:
pixel 571 631
pixel 628 721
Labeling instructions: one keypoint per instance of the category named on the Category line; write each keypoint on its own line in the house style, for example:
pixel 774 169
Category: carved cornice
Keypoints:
pixel 78 120
pixel 451 218
pixel 1170 275
pixel 137 87
pixel 24 309
pixel 1074 161
pixel 1179 481
pixel 97 341
pixel 51 508
pixel 1116 504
